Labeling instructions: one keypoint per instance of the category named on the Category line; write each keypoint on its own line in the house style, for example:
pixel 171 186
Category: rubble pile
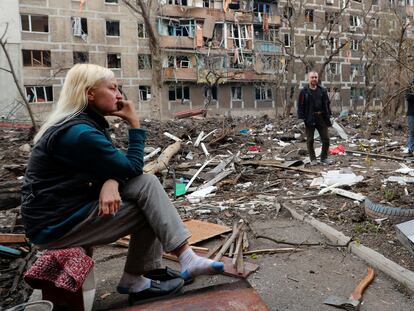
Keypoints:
pixel 222 169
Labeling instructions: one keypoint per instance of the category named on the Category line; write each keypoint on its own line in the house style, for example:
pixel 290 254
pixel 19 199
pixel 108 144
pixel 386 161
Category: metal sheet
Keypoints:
pixel 237 296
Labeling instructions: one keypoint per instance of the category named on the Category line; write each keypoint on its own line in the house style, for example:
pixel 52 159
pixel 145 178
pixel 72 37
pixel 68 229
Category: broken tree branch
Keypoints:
pixel 162 162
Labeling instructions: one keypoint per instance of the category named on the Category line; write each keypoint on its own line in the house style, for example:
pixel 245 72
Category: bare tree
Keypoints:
pixel 11 70
pixel 144 8
pixel 294 14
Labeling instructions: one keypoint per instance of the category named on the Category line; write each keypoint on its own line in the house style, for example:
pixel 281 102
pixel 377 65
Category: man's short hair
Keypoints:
pixel 313 71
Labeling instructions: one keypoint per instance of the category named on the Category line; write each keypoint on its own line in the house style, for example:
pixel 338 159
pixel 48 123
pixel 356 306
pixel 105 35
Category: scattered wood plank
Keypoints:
pixel 376 155
pixel 8 238
pixel 348 194
pixel 273 250
pixel 277 164
pixel 226 245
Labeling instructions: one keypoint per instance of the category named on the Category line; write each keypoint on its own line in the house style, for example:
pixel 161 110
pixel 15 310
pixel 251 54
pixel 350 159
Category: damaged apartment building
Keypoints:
pixel 221 53
pixel 232 55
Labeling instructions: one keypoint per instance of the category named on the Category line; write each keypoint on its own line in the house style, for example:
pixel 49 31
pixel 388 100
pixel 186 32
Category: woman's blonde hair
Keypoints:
pixel 73 97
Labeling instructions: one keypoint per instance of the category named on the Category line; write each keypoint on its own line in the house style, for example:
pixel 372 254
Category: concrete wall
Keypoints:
pixel 9 14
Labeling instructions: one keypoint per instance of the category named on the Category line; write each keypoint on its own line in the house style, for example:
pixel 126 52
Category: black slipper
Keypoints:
pixel 165 274
pixel 158 290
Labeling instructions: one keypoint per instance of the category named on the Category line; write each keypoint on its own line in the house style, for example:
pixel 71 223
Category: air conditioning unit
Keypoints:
pixel 352 28
pixel 329 1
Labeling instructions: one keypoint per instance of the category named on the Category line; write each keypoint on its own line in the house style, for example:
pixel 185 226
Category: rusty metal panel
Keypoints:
pixel 237 296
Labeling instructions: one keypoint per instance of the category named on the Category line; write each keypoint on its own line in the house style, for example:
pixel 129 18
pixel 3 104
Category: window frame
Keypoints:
pixel 108 23
pixel 119 59
pixel 263 93
pixel 143 31
pixel 35 96
pixel 30 23
pixel 144 61
pixel 147 90
pixel 232 93
pixel 45 60
pixel 79 53
pixel 182 89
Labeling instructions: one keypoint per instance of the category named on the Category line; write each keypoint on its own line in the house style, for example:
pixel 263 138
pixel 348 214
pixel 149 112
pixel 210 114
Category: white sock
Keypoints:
pixel 135 283
pixel 193 265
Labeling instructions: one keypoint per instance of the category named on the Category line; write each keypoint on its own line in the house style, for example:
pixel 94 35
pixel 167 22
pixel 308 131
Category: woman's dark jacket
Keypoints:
pixel 66 170
pixel 305 106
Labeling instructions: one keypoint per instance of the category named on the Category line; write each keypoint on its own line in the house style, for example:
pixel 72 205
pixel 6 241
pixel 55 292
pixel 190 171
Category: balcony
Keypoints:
pixel 176 42
pixel 180 74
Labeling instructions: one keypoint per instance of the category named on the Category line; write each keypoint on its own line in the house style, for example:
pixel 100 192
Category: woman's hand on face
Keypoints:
pixel 126 111
pixel 109 198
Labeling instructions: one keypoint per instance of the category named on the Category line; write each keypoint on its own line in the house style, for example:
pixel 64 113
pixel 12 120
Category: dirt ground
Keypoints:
pixel 254 189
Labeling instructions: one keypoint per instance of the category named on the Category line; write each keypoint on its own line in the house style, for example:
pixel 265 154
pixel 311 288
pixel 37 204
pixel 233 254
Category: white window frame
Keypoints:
pixel 144 31
pixel 263 93
pixel 144 90
pixel 286 38
pixel 33 88
pixel 354 45
pixel 354 21
pixel 233 92
pixel 336 66
pixel 309 41
pixel 30 23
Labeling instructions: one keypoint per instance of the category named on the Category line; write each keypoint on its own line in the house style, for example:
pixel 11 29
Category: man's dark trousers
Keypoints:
pixel 322 128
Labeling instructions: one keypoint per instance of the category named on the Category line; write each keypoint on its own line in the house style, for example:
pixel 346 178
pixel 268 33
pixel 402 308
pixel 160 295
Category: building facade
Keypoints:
pixel 232 56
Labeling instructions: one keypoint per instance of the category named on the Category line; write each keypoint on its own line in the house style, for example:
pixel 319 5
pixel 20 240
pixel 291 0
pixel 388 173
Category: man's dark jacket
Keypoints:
pixel 305 106
pixel 409 96
pixel 52 191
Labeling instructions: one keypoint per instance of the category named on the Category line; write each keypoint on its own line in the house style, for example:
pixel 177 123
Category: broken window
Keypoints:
pixel 142 32
pixel 332 17
pixel 112 28
pixel 286 39
pixel 354 21
pixel 181 28
pixel 263 93
pixel 80 57
pixel 333 68
pixel 178 92
pixel 39 94
pixel 114 60
pixel 287 12
pixel 179 62
pixel 309 41
pixel 262 7
pixel 375 21
pixel 144 93
pixel 357 93
pixel 36 58
pixel 354 44
pixel 309 15
pixel 79 26
pixel 271 35
pixel 241 35
pixel 144 61
pixel 236 93
pixel 356 70
pixel 333 42
pixel 35 23
pixel 212 91
pixel 178 2
pixel 208 3
pixel 270 62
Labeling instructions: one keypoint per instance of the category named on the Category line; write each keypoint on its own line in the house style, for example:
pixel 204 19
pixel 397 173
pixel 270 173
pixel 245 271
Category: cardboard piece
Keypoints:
pixel 202 230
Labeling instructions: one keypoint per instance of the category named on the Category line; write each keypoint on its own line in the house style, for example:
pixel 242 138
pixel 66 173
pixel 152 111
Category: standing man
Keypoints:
pixel 314 109
pixel 409 95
